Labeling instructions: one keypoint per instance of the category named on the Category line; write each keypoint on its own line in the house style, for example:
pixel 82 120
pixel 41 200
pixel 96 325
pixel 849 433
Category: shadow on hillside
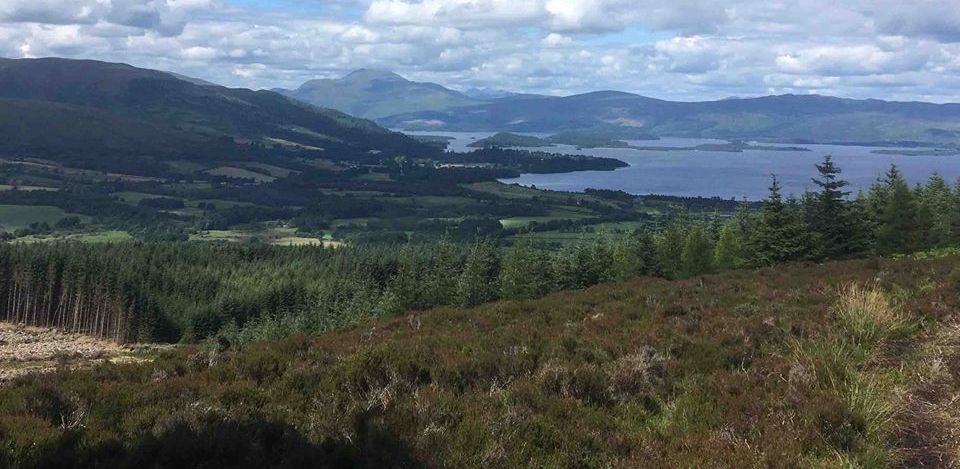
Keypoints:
pixel 254 444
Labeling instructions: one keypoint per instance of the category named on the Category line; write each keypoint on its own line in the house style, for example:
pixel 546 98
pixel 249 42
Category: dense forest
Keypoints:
pixel 190 291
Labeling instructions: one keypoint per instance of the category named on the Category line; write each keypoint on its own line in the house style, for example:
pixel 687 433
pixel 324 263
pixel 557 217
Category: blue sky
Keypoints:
pixel 678 49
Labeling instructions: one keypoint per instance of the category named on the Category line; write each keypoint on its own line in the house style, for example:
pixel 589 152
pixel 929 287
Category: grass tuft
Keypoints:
pixel 868 316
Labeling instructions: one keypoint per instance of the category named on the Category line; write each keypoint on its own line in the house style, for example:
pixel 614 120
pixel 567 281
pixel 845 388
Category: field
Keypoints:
pixel 109 236
pixel 850 364
pixel 15 217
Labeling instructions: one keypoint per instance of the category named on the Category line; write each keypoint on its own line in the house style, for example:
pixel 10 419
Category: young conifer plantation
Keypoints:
pixel 186 292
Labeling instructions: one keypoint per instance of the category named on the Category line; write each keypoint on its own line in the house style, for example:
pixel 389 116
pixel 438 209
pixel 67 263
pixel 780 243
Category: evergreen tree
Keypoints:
pixel 938 212
pixel 697 256
pixel 478 282
pixel 634 257
pixel 829 214
pixel 897 217
pixel 670 251
pixel 728 248
pixel 781 234
pixel 526 272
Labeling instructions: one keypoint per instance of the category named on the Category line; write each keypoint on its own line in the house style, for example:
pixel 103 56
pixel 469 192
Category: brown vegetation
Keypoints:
pixel 784 367
pixel 27 350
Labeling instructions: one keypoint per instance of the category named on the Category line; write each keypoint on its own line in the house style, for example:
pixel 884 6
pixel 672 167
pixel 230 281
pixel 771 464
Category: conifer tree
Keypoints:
pixel 727 251
pixel 938 212
pixel 781 235
pixel 697 256
pixel 670 251
pixel 634 257
pixel 897 217
pixel 830 216
pixel 478 281
pixel 526 272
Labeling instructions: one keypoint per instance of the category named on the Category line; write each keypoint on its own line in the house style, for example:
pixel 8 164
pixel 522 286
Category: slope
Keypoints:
pixel 161 99
pixel 374 94
pixel 794 366
pixel 781 118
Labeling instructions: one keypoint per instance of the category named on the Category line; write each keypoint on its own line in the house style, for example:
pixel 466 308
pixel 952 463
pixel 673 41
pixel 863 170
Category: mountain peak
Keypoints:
pixel 368 74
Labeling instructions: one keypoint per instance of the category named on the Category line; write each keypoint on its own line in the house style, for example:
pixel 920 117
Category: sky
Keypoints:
pixel 671 49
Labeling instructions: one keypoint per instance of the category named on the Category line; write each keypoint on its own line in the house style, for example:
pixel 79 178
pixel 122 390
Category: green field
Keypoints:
pixel 111 236
pixel 16 217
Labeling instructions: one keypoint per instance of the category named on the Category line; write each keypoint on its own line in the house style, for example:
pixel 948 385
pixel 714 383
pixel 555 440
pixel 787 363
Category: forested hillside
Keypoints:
pixel 848 364
pixel 191 291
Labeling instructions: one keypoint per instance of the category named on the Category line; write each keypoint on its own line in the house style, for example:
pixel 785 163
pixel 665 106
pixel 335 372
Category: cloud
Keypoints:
pixel 682 49
pixel 939 20
pixel 850 60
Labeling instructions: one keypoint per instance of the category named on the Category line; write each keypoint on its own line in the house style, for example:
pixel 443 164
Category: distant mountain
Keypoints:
pixel 489 94
pixel 806 118
pixel 59 108
pixel 375 94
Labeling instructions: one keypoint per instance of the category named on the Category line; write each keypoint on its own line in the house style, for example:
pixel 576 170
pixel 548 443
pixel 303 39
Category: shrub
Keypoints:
pixel 636 375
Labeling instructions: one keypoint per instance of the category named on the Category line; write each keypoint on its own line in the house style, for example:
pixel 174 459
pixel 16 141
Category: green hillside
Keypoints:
pixel 840 365
pixel 374 94
pixel 151 106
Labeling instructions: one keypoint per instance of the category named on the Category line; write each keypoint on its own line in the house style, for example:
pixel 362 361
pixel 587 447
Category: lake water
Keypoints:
pixel 723 174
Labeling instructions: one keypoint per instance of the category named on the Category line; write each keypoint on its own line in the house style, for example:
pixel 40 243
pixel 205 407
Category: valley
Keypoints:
pixel 193 275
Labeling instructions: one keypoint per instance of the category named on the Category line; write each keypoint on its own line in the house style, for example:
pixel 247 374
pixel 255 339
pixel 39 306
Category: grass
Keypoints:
pixel 868 316
pixel 108 236
pixel 745 369
pixel 15 217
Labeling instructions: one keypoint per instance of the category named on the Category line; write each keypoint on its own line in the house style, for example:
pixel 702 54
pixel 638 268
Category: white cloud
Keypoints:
pixel 682 49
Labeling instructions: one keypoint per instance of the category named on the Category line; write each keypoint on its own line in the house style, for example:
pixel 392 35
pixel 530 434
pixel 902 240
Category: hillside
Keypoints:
pixel 776 118
pixel 146 103
pixel 850 364
pixel 374 94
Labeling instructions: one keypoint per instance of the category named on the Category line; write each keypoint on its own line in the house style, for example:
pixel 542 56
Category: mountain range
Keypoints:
pixel 785 118
pixel 399 103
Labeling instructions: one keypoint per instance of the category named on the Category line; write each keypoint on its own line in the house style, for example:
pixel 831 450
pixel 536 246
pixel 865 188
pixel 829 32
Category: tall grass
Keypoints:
pixel 868 316
pixel 865 322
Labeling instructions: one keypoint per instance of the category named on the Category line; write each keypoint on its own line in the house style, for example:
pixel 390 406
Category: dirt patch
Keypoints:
pixel 25 350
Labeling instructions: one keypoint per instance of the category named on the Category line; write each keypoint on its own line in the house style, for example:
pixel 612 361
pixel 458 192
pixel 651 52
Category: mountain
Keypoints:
pixel 808 118
pixel 71 108
pixel 489 94
pixel 374 94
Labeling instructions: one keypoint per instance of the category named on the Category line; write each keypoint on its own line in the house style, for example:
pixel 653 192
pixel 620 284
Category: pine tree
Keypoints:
pixel 781 235
pixel 634 257
pixel 478 282
pixel 670 251
pixel 829 214
pixel 897 217
pixel 939 212
pixel 727 251
pixel 697 256
pixel 526 272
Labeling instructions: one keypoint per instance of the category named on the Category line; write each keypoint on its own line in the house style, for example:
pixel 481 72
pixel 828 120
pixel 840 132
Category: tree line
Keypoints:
pixel 175 291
